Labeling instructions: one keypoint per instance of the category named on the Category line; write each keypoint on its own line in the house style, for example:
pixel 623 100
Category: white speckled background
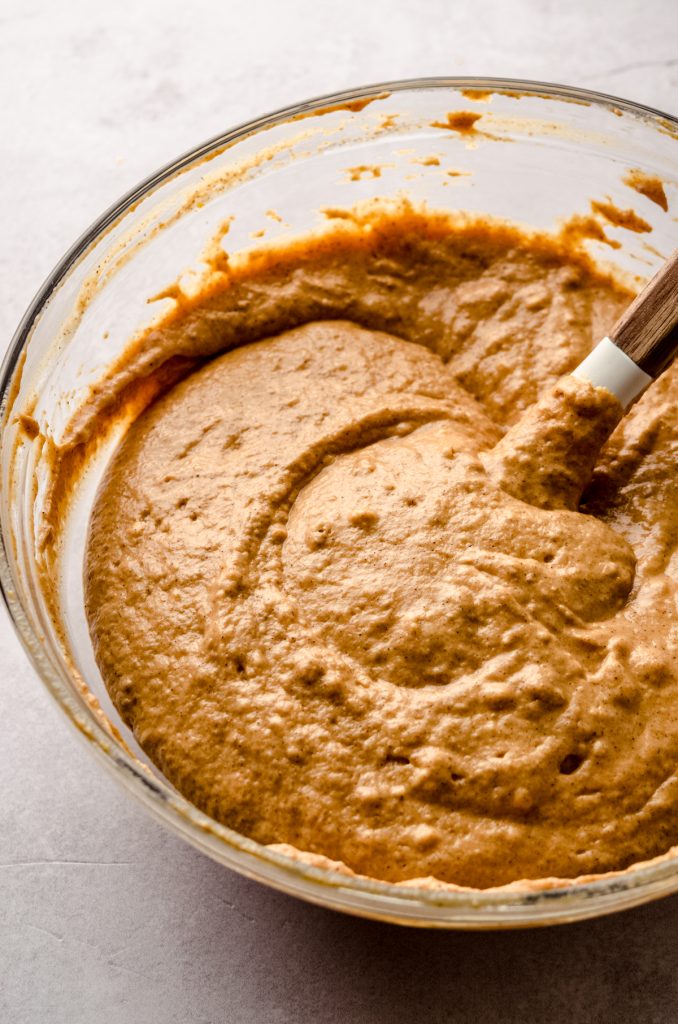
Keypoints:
pixel 104 917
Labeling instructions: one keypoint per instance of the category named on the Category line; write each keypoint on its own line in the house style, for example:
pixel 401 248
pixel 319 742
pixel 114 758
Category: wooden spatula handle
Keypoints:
pixel 648 330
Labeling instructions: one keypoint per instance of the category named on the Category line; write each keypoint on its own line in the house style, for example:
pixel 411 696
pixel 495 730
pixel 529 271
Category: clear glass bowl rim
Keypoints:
pixel 465 908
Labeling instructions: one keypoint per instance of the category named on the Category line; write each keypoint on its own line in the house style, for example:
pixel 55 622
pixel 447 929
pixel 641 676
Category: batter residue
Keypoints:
pixel 346 606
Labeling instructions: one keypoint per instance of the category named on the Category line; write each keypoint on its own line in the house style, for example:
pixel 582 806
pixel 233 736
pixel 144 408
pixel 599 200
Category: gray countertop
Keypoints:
pixel 104 916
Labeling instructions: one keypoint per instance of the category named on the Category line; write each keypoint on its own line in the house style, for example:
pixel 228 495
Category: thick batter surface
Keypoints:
pixel 343 609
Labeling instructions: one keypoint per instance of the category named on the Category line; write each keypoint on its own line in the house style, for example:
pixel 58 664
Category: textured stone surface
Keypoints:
pixel 103 915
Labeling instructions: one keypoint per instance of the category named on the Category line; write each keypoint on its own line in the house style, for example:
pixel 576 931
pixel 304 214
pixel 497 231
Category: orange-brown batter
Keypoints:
pixel 344 611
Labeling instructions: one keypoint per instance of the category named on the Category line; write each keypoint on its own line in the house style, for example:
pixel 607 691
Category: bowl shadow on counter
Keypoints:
pixel 319 965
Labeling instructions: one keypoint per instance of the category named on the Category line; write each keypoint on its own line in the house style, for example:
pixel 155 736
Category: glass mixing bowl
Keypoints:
pixel 566 148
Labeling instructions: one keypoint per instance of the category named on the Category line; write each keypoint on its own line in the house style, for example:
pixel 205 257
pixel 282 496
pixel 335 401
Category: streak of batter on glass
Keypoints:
pixel 345 605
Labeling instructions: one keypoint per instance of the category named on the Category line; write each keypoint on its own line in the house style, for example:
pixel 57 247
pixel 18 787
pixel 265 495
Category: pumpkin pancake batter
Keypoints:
pixel 345 611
